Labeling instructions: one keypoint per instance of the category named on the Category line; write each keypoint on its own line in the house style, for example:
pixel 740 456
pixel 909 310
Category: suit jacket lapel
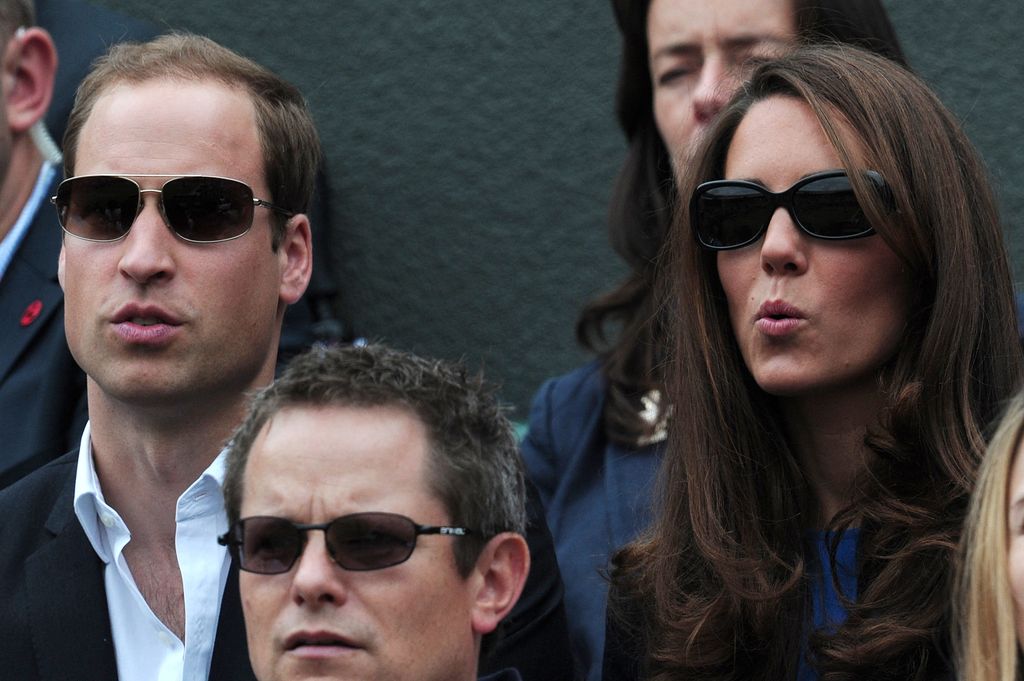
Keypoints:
pixel 67 601
pixel 31 277
pixel 230 651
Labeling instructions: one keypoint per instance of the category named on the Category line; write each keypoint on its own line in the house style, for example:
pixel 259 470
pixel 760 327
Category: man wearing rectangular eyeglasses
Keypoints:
pixel 377 509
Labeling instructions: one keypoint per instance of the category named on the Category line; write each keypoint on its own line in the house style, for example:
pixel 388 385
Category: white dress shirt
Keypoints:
pixel 144 647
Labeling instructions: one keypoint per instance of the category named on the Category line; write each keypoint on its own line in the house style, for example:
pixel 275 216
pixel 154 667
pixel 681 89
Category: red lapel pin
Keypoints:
pixel 31 312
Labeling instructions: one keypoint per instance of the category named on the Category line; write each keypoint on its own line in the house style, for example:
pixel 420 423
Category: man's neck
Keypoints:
pixel 145 460
pixel 18 181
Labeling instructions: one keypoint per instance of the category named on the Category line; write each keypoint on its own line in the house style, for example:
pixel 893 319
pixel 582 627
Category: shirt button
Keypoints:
pixel 107 519
pixel 166 639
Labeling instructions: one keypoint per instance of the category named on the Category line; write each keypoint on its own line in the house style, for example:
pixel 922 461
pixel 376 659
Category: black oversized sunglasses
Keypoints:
pixel 361 541
pixel 198 208
pixel 734 213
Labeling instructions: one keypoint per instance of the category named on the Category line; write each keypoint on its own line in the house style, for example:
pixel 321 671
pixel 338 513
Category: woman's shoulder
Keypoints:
pixel 582 388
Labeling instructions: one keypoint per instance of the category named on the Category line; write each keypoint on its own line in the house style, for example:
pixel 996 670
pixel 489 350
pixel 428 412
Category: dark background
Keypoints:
pixel 471 145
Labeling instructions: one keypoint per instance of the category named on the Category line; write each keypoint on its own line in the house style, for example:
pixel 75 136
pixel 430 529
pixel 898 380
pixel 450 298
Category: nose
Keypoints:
pixel 148 247
pixel 714 87
pixel 784 246
pixel 318 580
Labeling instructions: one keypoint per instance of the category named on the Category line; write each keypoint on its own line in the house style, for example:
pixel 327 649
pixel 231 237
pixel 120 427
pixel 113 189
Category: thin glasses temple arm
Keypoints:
pixel 443 529
pixel 268 204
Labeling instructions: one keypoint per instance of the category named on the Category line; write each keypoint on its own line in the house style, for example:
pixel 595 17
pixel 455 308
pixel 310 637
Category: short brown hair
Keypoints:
pixel 290 145
pixel 475 469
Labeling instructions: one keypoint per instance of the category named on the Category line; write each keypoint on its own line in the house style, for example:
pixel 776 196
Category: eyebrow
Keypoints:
pixel 684 49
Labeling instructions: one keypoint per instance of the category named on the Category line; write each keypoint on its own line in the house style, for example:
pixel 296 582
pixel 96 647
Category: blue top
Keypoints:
pixel 827 611
pixel 596 496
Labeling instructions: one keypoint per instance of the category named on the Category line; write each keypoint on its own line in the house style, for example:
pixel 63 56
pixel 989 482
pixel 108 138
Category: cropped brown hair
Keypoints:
pixel 474 466
pixel 719 588
pixel 288 137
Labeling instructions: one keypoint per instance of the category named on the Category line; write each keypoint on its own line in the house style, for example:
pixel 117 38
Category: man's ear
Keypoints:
pixel 296 257
pixel 501 571
pixel 29 68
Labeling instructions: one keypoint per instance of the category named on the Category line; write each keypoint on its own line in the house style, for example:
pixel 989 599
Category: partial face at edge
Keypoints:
pixel 1015 539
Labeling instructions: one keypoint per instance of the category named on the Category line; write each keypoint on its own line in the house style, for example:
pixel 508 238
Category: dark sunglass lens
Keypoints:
pixel 828 208
pixel 269 545
pixel 207 208
pixel 731 215
pixel 97 208
pixel 370 541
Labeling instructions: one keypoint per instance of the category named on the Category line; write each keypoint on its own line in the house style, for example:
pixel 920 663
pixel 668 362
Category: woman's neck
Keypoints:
pixel 827 433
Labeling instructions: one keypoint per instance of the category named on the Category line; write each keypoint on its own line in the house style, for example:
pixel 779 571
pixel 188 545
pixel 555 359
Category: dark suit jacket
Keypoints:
pixel 53 604
pixel 42 390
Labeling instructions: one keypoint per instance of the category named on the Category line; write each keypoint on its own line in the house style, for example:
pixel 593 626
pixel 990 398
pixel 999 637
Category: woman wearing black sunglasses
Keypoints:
pixel 597 433
pixel 843 323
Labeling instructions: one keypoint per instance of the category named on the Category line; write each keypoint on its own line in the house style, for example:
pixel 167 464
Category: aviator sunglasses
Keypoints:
pixel 730 214
pixel 361 541
pixel 197 208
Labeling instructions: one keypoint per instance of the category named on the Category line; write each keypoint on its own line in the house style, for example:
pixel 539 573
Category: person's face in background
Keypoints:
pixel 1015 540
pixel 697 51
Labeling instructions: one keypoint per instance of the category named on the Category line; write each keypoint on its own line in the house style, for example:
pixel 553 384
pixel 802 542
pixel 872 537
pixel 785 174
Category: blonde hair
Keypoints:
pixel 987 636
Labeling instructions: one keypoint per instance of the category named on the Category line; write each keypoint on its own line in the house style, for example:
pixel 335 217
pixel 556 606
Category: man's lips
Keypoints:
pixel 145 324
pixel 145 315
pixel 318 643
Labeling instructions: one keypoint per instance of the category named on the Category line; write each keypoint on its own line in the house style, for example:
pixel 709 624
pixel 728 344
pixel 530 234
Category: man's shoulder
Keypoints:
pixel 36 493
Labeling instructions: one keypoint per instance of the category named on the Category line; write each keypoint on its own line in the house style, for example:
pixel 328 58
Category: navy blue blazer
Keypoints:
pixel 596 496
pixel 42 390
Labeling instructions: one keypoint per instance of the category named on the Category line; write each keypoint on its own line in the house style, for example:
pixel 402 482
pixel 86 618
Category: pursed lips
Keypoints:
pixel 778 318
pixel 145 325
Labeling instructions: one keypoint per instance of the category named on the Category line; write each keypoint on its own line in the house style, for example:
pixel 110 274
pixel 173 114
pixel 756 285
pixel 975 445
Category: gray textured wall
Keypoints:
pixel 471 146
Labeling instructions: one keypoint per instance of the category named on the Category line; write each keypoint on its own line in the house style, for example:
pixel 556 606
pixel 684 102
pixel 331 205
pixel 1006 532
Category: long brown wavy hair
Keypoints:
pixel 623 326
pixel 719 587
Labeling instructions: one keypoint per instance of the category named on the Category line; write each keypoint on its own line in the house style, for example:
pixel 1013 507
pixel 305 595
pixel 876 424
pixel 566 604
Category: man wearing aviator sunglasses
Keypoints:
pixel 185 238
pixel 377 510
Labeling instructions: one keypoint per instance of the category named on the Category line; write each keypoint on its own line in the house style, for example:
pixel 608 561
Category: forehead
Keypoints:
pixel 171 126
pixel 314 463
pixel 708 22
pixel 781 134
